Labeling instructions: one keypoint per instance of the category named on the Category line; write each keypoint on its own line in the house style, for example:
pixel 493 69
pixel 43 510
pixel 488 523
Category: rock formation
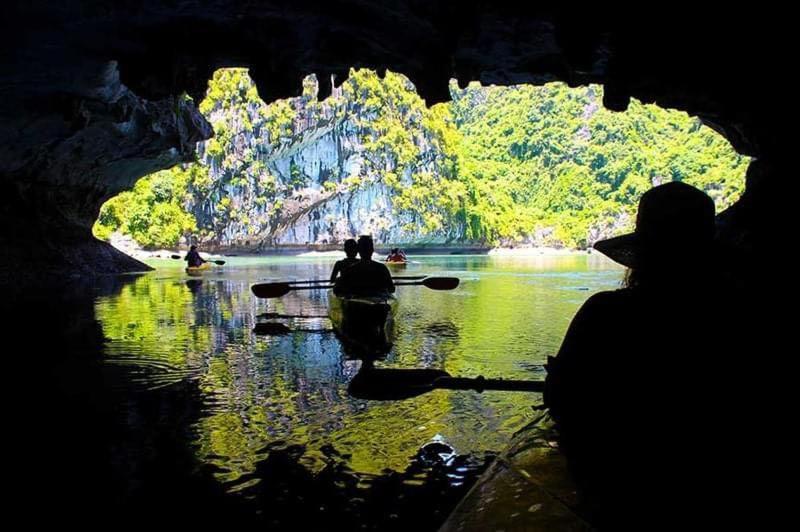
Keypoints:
pixel 73 133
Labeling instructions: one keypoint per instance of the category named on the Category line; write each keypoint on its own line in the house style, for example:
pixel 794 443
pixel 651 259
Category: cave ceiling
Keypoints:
pixel 712 64
pixel 93 93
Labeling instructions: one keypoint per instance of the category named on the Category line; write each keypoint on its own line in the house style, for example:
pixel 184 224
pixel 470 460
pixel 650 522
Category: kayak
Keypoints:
pixel 363 323
pixel 396 263
pixel 528 487
pixel 198 270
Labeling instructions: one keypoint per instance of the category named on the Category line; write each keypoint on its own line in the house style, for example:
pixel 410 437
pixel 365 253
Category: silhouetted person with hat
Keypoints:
pixel 193 258
pixel 350 250
pixel 641 387
pixel 366 277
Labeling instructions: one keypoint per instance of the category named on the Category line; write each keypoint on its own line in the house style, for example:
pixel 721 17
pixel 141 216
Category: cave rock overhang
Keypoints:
pixel 91 100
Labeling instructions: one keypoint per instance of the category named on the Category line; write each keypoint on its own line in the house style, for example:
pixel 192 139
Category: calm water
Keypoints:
pixel 260 393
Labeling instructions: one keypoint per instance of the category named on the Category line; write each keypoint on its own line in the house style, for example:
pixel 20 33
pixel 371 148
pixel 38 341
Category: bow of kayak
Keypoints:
pixel 365 323
pixel 528 487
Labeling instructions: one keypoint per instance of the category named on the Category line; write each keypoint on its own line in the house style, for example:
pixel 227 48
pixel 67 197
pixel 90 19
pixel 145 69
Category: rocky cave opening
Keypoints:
pixel 92 99
pixel 494 166
pixel 91 103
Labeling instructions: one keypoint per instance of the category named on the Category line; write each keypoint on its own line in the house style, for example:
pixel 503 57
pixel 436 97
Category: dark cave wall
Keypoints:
pixel 67 151
pixel 91 92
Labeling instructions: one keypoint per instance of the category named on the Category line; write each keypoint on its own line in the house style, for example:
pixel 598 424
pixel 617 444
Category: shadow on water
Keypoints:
pixel 149 399
pixel 95 444
pixel 88 447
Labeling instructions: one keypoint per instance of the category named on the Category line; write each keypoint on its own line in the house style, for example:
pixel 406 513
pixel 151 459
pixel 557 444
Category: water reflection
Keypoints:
pixel 271 403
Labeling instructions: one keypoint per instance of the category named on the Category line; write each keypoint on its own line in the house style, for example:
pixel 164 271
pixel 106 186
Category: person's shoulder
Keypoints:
pixel 609 300
pixel 612 296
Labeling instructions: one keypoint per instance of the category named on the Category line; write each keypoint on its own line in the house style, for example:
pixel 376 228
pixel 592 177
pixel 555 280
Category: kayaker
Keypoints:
pixel 366 277
pixel 396 255
pixel 193 258
pixel 641 387
pixel 351 250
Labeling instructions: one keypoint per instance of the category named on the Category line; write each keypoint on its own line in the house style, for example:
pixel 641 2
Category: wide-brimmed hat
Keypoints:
pixel 673 218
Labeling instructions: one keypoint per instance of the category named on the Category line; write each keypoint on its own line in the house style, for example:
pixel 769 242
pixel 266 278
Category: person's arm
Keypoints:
pixel 567 371
pixel 335 271
pixel 388 282
pixel 343 284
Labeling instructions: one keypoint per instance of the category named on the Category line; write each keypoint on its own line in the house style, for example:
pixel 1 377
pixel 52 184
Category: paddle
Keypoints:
pixel 279 316
pixel 327 281
pixel 279 329
pixel 397 384
pixel 271 290
pixel 271 329
pixel 219 262
pixel 434 283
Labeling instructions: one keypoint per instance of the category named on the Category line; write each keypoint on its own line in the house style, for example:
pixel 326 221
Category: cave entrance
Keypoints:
pixel 530 166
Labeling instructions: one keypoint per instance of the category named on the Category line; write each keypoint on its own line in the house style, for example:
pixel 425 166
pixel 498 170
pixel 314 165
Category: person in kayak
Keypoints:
pixel 351 250
pixel 396 255
pixel 193 258
pixel 640 390
pixel 366 277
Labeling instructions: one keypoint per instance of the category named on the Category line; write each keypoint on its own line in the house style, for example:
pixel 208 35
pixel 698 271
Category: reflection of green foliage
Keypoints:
pixel 261 391
pixel 157 318
pixel 547 164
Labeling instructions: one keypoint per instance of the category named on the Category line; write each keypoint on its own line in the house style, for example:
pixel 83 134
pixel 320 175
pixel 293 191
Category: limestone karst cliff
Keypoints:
pixel 527 165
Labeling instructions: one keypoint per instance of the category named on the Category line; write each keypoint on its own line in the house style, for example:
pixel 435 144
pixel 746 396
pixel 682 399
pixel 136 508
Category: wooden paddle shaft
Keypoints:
pixel 329 286
pixel 480 384
pixel 327 281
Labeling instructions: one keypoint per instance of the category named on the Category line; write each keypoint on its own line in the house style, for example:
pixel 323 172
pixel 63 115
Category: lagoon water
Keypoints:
pixel 254 398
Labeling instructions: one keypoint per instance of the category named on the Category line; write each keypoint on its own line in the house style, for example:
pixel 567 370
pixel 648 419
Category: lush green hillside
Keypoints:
pixel 496 166
pixel 550 164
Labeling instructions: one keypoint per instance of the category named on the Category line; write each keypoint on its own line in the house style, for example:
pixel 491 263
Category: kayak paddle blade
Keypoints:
pixel 398 384
pixel 393 384
pixel 219 262
pixel 441 283
pixel 271 329
pixel 270 290
pixel 310 281
pixel 176 257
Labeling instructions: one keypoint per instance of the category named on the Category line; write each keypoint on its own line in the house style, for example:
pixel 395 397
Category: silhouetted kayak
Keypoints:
pixel 198 270
pixel 528 487
pixel 363 322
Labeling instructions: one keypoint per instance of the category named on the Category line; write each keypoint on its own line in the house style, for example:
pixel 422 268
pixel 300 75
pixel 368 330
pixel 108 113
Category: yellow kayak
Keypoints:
pixel 198 270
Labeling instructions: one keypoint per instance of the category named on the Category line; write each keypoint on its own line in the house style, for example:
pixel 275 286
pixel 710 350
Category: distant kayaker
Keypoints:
pixel 396 255
pixel 366 277
pixel 351 250
pixel 193 258
pixel 641 387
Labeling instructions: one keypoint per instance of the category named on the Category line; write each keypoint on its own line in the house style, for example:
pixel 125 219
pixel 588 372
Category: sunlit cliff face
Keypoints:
pixel 522 165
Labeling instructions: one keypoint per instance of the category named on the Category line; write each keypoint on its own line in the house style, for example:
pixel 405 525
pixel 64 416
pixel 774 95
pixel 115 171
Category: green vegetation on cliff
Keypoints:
pixel 153 213
pixel 551 164
pixel 497 166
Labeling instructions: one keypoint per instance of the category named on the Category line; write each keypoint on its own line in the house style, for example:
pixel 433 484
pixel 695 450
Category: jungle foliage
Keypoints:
pixel 541 165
